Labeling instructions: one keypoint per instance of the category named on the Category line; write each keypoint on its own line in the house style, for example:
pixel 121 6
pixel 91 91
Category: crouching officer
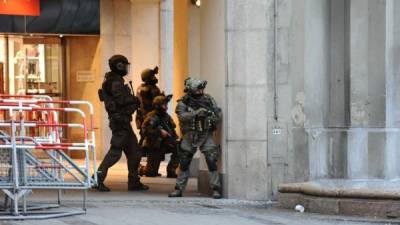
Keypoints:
pixel 120 104
pixel 160 138
pixel 198 116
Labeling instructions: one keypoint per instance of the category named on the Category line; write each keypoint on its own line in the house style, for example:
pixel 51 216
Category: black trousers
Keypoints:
pixel 123 140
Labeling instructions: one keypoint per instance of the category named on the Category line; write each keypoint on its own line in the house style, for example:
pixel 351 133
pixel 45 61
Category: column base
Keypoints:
pixel 377 198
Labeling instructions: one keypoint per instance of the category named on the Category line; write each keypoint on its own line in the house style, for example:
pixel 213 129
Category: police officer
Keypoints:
pixel 146 93
pixel 120 104
pixel 160 138
pixel 198 116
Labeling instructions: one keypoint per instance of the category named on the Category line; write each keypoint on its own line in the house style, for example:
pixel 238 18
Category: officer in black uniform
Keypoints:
pixel 160 138
pixel 120 104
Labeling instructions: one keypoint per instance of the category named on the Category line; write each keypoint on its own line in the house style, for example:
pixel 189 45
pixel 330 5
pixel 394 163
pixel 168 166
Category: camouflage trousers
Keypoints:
pixel 190 143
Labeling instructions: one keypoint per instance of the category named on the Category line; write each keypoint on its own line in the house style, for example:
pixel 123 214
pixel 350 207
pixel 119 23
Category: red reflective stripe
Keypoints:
pixel 52 125
pixel 48 109
pixel 14 104
pixel 52 147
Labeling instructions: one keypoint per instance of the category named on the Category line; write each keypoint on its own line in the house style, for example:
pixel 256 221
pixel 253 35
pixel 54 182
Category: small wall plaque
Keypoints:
pixel 84 76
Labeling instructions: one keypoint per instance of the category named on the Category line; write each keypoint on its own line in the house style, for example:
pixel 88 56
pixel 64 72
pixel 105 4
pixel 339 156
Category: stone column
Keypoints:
pixel 167 45
pixel 357 164
pixel 367 92
pixel 316 83
pixel 392 167
pixel 145 31
pixel 115 38
pixel 248 30
pixel 211 21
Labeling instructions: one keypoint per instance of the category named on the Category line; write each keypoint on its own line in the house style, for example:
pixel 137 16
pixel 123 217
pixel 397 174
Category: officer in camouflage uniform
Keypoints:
pixel 120 104
pixel 198 116
pixel 146 93
pixel 160 138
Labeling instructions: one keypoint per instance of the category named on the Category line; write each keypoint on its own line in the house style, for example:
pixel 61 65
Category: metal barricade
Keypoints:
pixel 32 160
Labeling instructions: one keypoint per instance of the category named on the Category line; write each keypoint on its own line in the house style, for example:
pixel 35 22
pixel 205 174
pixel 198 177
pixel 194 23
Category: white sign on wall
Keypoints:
pixel 84 76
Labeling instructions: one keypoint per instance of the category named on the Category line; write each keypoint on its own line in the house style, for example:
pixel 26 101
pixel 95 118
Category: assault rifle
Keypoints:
pixel 197 104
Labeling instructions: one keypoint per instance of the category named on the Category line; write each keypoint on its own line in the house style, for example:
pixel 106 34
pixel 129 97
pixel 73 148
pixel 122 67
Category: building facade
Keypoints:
pixel 309 88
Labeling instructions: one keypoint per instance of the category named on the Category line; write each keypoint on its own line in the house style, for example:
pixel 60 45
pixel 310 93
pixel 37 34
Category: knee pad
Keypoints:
pixel 185 160
pixel 211 160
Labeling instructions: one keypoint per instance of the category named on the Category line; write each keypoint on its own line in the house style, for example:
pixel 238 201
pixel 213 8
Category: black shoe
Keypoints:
pixel 216 194
pixel 172 175
pixel 153 175
pixel 138 187
pixel 175 194
pixel 102 188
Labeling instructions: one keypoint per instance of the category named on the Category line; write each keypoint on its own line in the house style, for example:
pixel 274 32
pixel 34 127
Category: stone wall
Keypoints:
pixel 311 93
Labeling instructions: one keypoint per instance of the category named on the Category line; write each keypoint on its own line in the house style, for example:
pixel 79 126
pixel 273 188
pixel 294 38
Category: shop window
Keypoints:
pixel 31 66
pixel 34 67
pixel 2 64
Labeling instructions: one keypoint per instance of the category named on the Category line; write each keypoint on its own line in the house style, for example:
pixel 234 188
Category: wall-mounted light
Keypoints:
pixel 196 3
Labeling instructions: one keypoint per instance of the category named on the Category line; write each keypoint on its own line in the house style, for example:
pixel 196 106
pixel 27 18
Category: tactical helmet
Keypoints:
pixel 148 74
pixel 119 64
pixel 192 85
pixel 161 100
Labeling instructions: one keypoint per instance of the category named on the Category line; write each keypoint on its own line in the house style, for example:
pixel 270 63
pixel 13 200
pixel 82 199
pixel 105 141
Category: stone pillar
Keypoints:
pixel 316 83
pixel 367 93
pixel 145 31
pixel 194 25
pixel 213 69
pixel 248 30
pixel 167 45
pixel 115 38
pixel 358 139
pixel 392 167
pixel 180 48
pixel 339 85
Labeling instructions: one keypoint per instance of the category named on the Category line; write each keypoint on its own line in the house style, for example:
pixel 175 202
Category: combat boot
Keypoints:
pixel 153 174
pixel 136 185
pixel 171 174
pixel 101 187
pixel 216 194
pixel 175 194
